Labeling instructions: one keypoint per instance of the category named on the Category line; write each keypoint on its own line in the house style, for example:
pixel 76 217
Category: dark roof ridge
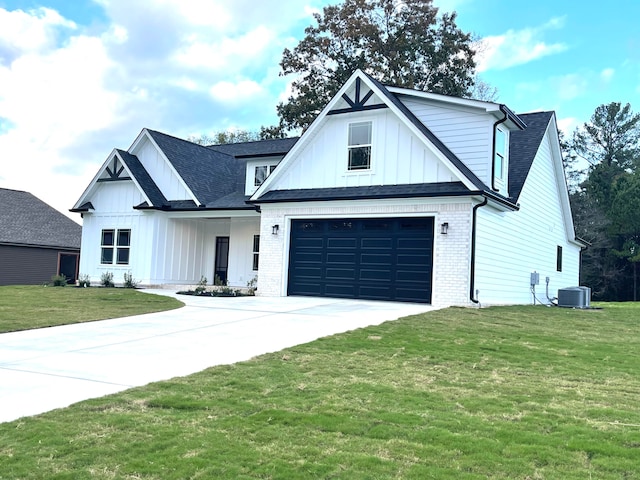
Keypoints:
pixel 173 137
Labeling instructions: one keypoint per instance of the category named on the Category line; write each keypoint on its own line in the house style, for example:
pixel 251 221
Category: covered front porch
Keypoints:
pixel 192 246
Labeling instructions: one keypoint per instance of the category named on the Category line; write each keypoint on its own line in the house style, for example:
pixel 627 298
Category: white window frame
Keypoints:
pixel 500 159
pixel 352 147
pixel 267 170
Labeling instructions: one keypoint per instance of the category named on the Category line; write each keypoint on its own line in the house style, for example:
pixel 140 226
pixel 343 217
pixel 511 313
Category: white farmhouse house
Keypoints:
pixel 391 194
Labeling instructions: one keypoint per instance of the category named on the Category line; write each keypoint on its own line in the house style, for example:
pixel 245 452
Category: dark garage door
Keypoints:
pixel 374 259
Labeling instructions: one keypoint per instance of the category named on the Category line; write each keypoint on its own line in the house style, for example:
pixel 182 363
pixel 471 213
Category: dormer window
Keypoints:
pixel 261 174
pixel 359 146
pixel 501 153
pixel 500 160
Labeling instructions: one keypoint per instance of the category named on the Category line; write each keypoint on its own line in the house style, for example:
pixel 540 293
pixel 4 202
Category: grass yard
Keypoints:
pixel 27 307
pixel 502 393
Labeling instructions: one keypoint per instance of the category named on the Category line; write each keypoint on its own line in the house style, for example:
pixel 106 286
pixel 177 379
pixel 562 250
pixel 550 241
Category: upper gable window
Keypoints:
pixel 360 145
pixel 500 156
pixel 261 174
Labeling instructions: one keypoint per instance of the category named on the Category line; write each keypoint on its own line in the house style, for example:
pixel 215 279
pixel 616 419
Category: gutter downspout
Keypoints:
pixel 493 149
pixel 472 274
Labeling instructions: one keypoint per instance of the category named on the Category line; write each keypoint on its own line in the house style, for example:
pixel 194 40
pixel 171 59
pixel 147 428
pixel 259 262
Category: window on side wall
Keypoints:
pixel 261 174
pixel 500 156
pixel 359 146
pixel 256 251
pixel 115 245
pixel 559 259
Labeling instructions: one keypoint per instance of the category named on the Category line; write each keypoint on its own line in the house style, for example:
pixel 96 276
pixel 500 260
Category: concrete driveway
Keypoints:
pixel 49 368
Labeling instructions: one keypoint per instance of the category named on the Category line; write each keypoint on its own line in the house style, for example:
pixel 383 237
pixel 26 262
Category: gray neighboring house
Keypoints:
pixel 36 240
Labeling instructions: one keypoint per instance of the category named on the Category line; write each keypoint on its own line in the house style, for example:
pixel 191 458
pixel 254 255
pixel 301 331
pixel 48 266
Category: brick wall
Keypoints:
pixel 451 252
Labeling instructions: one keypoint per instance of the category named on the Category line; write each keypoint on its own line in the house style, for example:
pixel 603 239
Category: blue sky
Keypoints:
pixel 80 78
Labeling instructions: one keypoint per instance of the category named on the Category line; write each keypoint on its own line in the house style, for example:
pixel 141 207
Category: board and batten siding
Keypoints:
pixel 512 245
pixel 184 249
pixel 113 203
pixel 466 132
pixel 162 174
pixel 397 156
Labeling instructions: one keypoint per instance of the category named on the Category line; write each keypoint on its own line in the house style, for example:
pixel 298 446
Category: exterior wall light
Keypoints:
pixel 444 228
pixel 274 229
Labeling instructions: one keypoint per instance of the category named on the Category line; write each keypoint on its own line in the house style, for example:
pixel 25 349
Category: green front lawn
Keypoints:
pixel 27 307
pixel 504 393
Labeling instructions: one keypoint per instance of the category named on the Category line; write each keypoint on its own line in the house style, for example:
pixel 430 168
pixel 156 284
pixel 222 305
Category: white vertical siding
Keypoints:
pixel 113 202
pixel 466 132
pixel 511 245
pixel 159 170
pixel 397 156
pixel 183 250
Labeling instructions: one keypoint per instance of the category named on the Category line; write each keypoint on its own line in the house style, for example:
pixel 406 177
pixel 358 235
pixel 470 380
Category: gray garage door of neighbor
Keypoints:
pixel 372 258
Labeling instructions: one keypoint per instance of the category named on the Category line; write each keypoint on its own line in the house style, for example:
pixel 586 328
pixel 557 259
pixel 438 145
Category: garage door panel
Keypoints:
pixel 310 242
pixel 340 273
pixel 377 275
pixel 378 259
pixel 347 242
pixel 382 242
pixel 417 260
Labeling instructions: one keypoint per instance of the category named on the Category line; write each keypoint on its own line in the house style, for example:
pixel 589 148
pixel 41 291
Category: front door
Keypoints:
pixel 222 260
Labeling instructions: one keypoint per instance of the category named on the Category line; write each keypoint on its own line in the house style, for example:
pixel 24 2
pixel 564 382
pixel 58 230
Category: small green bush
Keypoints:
pixel 58 281
pixel 106 279
pixel 84 281
pixel 129 281
pixel 202 285
pixel 252 285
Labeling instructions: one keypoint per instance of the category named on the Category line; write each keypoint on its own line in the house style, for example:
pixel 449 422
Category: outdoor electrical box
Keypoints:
pixel 535 278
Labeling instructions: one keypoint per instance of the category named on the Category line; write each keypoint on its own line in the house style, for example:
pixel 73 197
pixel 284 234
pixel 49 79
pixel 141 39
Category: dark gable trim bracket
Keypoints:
pixel 358 104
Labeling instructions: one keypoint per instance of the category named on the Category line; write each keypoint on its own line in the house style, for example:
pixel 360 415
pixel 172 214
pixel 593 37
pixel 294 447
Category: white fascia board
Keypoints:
pixel 211 214
pixel 466 102
pixel 563 192
pixel 83 198
pixel 147 135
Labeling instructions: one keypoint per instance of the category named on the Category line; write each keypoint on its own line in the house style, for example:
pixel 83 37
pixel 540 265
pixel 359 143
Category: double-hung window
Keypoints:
pixel 256 251
pixel 359 146
pixel 261 174
pixel 115 245
pixel 500 156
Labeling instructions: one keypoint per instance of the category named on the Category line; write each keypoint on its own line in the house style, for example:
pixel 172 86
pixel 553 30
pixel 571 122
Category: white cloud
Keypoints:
pixel 607 75
pixel 516 47
pixel 30 31
pixel 567 124
pixel 70 93
pixel 243 91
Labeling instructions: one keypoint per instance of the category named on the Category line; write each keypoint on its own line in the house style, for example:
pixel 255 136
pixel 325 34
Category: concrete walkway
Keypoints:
pixel 49 368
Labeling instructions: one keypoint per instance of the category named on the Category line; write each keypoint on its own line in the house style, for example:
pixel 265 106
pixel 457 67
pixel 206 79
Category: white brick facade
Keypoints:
pixel 451 254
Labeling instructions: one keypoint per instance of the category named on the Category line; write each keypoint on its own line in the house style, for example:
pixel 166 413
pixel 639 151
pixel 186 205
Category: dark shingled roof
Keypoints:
pixel 27 220
pixel 208 173
pixel 260 148
pixel 143 178
pixel 441 189
pixel 523 146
